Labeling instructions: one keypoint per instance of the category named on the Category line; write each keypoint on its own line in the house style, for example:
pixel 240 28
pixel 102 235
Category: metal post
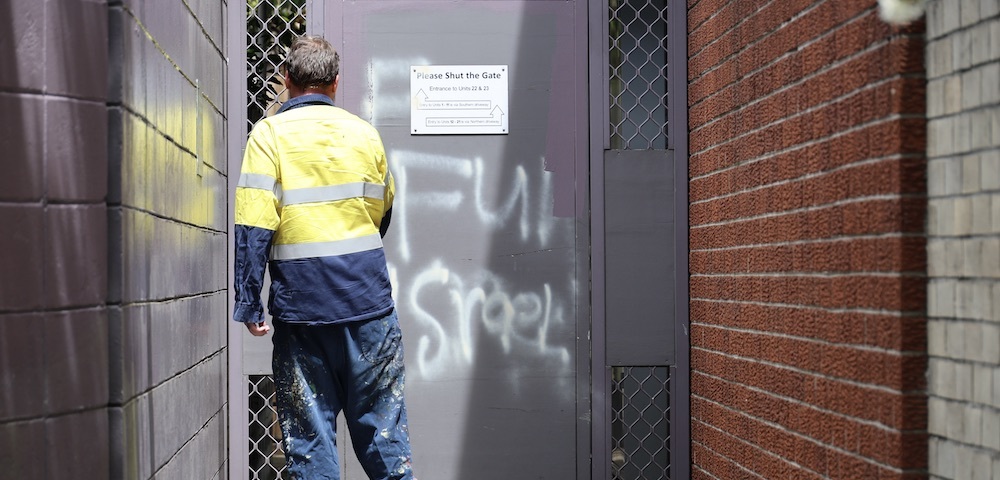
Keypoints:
pixel 236 128
pixel 585 312
pixel 677 136
pixel 598 53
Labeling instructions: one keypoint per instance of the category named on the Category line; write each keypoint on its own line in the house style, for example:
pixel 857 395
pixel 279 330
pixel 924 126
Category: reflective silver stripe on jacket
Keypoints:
pixel 326 249
pixel 333 192
pixel 261 182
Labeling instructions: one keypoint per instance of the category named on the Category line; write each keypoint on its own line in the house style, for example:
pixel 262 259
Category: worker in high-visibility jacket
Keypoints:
pixel 312 204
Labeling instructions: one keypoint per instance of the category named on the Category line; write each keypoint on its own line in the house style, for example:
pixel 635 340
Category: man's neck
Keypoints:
pixel 309 91
pixel 297 91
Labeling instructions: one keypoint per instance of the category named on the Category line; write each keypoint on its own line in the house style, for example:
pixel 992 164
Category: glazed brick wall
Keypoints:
pixel 167 210
pixel 963 244
pixel 113 253
pixel 53 247
pixel 808 255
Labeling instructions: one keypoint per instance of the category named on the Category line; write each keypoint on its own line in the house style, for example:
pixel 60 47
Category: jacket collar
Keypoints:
pixel 307 99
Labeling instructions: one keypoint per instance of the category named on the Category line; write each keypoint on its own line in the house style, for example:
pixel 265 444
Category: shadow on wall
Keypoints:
pixel 521 414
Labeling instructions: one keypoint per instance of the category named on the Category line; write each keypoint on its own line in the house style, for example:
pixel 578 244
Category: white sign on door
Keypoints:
pixel 458 99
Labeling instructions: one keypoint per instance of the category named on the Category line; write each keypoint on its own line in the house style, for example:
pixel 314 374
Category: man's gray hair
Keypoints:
pixel 312 62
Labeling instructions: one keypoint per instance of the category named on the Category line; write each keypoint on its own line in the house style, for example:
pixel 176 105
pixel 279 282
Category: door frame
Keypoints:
pixel 680 395
pixel 593 398
pixel 235 26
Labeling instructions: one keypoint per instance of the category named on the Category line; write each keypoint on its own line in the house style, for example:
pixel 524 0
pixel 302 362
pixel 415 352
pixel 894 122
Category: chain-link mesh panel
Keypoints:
pixel 267 460
pixel 638 74
pixel 271 26
pixel 640 423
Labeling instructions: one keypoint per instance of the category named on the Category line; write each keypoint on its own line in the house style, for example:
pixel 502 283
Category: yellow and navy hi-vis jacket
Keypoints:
pixel 312 203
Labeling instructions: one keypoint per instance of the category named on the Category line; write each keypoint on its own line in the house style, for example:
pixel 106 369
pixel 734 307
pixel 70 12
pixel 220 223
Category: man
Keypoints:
pixel 313 203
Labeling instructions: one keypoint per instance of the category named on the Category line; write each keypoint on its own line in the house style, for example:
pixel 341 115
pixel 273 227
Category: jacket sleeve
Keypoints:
pixel 257 215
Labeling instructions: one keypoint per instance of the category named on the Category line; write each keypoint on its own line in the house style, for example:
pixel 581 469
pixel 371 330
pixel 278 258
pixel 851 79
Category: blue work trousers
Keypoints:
pixel 357 368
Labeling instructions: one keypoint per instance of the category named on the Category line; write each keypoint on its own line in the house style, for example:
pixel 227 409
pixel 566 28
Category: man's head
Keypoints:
pixel 312 66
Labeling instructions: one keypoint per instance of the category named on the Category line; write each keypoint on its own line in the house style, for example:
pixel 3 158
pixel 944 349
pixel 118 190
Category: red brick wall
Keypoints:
pixel 807 193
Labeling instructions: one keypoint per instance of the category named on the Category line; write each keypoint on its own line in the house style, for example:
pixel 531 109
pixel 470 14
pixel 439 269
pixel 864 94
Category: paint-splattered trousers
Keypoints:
pixel 356 368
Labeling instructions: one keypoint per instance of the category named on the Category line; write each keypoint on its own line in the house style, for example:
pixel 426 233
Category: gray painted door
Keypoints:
pixel 489 243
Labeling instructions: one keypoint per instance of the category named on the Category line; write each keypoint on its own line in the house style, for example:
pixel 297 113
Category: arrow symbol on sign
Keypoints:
pixel 420 97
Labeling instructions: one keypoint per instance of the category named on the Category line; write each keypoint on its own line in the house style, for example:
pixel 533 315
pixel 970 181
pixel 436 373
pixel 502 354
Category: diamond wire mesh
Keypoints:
pixel 640 423
pixel 271 26
pixel 638 74
pixel 267 461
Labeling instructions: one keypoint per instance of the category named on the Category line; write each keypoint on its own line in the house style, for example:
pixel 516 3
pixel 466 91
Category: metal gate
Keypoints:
pixel 503 246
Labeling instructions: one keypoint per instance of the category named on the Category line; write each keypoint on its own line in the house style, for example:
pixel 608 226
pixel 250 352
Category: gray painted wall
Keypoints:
pixel 113 202
pixel 167 231
pixel 963 244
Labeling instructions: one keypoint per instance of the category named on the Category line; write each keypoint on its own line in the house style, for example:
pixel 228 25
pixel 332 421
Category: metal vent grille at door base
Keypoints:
pixel 267 460
pixel 640 423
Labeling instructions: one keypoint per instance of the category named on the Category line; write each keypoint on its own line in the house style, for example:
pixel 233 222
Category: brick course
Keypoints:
pixel 808 260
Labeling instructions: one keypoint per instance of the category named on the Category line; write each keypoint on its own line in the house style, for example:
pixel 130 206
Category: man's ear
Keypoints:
pixel 334 85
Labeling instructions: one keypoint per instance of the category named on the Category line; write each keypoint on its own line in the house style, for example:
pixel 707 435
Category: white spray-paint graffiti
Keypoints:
pixel 459 306
pixel 462 298
pixel 451 201
pixel 520 322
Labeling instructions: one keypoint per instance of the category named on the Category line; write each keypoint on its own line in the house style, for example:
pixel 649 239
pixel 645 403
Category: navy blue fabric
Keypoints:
pixel 253 246
pixel 320 290
pixel 337 289
pixel 383 228
pixel 303 100
pixel 356 368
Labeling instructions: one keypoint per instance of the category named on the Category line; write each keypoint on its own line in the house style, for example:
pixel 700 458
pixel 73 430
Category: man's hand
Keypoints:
pixel 258 329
